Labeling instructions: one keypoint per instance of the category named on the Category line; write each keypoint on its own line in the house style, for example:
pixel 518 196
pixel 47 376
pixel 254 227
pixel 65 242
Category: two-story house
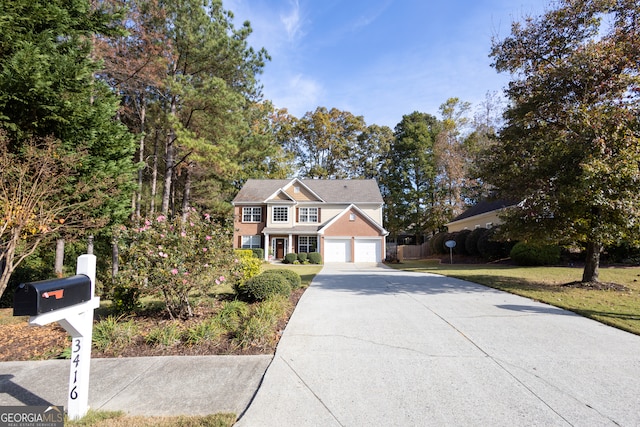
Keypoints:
pixel 340 219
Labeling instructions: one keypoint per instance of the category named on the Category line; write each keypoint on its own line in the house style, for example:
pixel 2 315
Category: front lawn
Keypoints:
pixel 545 284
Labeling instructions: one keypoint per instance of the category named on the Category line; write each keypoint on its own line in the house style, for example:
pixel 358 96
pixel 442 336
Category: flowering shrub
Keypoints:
pixel 172 258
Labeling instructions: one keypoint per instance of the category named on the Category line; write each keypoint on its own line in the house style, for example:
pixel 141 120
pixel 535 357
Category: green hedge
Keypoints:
pixel 460 238
pixel 302 257
pixel 291 276
pixel 535 254
pixel 314 258
pixel 471 242
pixel 263 286
pixel 290 258
pixel 258 253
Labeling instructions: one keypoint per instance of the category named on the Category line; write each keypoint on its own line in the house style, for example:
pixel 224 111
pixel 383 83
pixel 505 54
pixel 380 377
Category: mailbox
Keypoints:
pixel 31 299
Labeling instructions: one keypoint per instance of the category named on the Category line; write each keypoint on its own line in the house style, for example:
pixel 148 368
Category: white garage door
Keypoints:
pixel 367 250
pixel 337 250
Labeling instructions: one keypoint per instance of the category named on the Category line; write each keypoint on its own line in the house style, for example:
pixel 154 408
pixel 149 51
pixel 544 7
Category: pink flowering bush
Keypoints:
pixel 173 258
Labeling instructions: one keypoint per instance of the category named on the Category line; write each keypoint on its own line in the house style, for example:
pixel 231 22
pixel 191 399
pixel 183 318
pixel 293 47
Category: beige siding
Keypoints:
pixel 485 220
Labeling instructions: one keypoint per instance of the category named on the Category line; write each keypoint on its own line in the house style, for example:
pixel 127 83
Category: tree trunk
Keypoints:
pixel 186 193
pixel 170 154
pixel 59 262
pixel 143 114
pixel 154 177
pixel 114 260
pixel 592 263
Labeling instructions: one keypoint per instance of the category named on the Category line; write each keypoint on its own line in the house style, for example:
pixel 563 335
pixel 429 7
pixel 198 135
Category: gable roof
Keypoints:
pixel 351 208
pixel 329 190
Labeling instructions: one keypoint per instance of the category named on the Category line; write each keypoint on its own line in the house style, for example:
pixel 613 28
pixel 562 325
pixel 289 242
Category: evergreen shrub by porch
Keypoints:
pixel 534 254
pixel 302 257
pixel 262 286
pixel 290 258
pixel 258 253
pixel 314 258
pixel 292 277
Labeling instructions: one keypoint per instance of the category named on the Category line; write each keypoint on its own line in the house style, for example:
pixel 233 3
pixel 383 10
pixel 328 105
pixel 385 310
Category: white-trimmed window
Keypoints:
pixel 250 242
pixel 308 215
pixel 252 214
pixel 280 214
pixel 307 244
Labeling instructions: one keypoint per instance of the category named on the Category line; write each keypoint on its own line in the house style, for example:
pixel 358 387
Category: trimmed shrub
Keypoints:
pixel 261 287
pixel 534 254
pixel 302 257
pixel 490 248
pixel 249 265
pixel 290 258
pixel 437 243
pixel 460 238
pixel 258 253
pixel 314 258
pixel 471 243
pixel 292 277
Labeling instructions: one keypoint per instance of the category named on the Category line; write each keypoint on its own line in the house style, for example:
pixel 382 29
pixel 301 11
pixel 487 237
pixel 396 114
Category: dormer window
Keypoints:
pixel 296 189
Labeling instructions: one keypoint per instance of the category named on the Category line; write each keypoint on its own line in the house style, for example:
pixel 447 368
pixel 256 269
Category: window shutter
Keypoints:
pixel 319 220
pixel 297 214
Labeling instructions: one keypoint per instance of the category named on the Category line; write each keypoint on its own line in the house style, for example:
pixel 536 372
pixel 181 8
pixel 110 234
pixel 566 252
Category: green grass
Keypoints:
pixel 306 271
pixel 620 309
pixel 119 419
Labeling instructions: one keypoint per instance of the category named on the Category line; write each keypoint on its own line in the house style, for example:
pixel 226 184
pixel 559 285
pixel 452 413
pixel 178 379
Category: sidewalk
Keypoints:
pixel 150 386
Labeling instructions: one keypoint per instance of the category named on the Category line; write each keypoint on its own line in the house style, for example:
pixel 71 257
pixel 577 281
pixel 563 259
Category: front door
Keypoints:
pixel 279 248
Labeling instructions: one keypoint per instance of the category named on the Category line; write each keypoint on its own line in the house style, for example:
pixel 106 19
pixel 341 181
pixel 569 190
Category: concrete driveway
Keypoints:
pixel 371 346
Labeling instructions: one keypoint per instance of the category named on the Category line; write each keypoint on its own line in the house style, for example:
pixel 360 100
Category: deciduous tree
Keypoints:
pixel 570 148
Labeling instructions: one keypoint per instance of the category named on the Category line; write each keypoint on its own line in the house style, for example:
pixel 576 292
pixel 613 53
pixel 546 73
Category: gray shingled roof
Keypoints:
pixel 484 207
pixel 330 190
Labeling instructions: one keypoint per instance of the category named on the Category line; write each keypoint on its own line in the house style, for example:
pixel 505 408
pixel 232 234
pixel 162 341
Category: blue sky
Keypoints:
pixel 380 59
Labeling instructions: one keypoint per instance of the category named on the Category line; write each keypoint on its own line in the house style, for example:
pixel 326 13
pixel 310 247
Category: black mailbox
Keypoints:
pixel 31 299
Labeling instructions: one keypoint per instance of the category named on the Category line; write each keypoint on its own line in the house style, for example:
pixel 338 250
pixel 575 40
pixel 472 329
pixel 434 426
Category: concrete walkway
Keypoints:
pixel 149 386
pixel 370 346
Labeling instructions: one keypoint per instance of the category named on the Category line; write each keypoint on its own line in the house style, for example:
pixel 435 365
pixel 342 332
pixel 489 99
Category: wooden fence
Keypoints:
pixel 408 251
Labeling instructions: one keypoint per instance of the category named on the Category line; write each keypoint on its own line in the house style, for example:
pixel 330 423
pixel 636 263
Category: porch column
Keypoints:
pixel 291 243
pixel 267 247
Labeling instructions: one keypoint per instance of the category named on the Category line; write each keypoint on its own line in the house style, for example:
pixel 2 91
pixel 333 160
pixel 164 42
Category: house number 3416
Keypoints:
pixel 75 356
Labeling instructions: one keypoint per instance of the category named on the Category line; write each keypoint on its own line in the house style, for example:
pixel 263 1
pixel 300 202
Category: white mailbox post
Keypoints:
pixel 77 320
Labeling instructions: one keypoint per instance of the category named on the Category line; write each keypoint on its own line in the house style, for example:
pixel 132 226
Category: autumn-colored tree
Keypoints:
pixel 451 156
pixel 34 200
pixel 324 142
pixel 570 148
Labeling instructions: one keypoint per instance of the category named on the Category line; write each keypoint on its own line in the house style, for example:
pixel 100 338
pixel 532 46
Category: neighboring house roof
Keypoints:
pixel 328 190
pixel 483 207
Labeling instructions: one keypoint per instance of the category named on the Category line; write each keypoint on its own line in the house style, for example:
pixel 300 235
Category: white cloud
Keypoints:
pixel 292 21
pixel 297 93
